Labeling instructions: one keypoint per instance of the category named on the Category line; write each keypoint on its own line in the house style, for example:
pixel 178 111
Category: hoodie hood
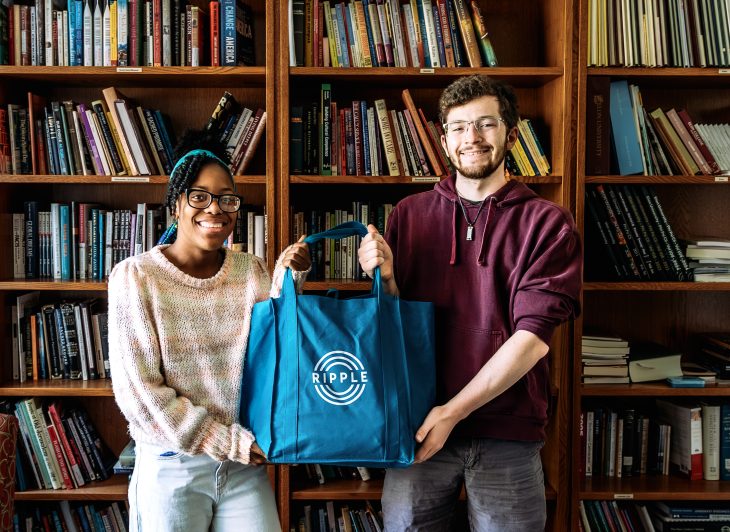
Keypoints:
pixel 512 193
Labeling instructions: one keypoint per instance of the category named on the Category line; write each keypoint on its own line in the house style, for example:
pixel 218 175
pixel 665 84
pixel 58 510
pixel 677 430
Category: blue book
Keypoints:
pixel 42 362
pixel 725 442
pixel 623 130
pixel 100 245
pixel 439 33
pixel 424 39
pixel 339 19
pixel 365 139
pixel 78 49
pixel 228 32
pixel 347 15
pixel 164 135
pixel 64 217
pixel 460 59
pixel 72 34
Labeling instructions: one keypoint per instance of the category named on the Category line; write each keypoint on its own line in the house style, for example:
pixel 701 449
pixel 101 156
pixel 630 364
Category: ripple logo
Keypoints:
pixel 339 378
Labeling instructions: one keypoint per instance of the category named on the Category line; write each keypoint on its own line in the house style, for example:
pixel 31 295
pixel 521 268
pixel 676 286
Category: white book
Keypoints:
pixel 411 31
pixel 167 33
pixel 259 236
pixel 590 420
pixel 48 455
pixel 106 36
pixel 65 47
pixel 98 33
pixel 88 35
pixel 238 130
pixel 130 135
pixel 398 43
pixel 139 229
pixel 48 32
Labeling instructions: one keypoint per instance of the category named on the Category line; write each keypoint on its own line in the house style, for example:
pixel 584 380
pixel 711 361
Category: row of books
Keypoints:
pixel 58 448
pixel 669 516
pixel 688 438
pixel 653 33
pixel 331 517
pixel 323 473
pixel 613 360
pixel 631 237
pixel 66 516
pixel 58 340
pixel 337 259
pixel 650 143
pixel 85 241
pixel 362 139
pixel 127 33
pixel 111 136
pixel 366 33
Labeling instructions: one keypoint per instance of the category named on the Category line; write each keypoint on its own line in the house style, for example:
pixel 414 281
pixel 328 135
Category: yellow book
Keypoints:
pixel 113 41
pixel 331 38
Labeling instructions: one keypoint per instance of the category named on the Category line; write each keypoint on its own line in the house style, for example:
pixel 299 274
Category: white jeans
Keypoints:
pixel 175 492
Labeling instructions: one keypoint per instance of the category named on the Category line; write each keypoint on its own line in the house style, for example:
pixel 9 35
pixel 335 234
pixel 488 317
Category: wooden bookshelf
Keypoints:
pixel 541 71
pixel 112 489
pixel 669 313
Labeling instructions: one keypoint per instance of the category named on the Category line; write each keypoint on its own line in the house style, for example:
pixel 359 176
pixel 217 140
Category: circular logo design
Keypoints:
pixel 339 378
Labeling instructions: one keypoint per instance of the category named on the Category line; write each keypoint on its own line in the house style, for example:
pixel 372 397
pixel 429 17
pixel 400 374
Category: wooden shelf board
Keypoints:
pixel 107 180
pixel 355 489
pixel 192 77
pixel 661 78
pixel 113 489
pixel 651 389
pixel 660 179
pixel 338 285
pixel 652 488
pixel 655 286
pixel 399 180
pixel 60 387
pixel 519 76
pixel 47 284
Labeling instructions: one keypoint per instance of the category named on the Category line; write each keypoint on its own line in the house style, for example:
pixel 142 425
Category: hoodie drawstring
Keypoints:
pixel 454 220
pixel 482 257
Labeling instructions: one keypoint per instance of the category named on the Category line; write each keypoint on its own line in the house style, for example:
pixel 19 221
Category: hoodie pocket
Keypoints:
pixel 462 353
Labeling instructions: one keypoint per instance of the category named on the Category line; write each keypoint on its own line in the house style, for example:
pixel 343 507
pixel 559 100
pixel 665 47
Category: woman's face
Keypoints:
pixel 206 229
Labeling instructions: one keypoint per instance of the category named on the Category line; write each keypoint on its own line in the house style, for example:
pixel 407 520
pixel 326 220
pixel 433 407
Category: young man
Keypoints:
pixel 503 267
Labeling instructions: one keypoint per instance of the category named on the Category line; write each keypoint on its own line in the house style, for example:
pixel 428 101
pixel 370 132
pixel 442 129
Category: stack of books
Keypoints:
pixel 714 355
pixel 709 257
pixel 604 360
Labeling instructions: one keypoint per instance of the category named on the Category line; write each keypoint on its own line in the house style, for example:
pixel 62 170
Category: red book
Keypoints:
pixel 135 39
pixel 215 22
pixel 55 416
pixel 58 453
pixel 699 141
pixel 157 33
pixel 357 136
pixel 343 144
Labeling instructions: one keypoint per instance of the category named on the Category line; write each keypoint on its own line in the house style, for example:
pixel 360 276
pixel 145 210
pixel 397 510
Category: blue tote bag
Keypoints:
pixel 340 381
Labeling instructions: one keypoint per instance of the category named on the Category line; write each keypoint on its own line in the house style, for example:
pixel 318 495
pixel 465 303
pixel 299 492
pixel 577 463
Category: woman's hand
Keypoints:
pixel 256 456
pixel 296 256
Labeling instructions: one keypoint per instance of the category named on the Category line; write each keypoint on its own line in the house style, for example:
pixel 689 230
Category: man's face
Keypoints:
pixel 477 139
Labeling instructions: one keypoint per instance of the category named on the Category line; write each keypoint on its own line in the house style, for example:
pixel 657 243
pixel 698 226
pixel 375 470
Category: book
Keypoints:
pixel 652 362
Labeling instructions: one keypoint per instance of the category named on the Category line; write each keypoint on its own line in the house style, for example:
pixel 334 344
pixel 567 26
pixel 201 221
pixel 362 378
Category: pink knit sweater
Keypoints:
pixel 176 346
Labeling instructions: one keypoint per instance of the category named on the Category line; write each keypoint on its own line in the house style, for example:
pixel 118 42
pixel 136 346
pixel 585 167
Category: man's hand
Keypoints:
pixel 256 456
pixel 434 432
pixel 296 256
pixel 374 251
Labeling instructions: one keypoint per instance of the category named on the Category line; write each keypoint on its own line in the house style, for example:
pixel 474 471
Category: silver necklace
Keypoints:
pixel 470 223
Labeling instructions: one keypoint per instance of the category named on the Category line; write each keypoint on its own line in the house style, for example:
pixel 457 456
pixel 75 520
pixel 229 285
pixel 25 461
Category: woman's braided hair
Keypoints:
pixel 187 170
pixel 196 149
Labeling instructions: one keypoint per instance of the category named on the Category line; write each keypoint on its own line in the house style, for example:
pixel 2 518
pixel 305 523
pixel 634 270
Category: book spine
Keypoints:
pixel 386 135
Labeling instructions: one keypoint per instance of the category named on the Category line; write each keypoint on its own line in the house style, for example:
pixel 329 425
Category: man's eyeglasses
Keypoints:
pixel 201 199
pixel 482 125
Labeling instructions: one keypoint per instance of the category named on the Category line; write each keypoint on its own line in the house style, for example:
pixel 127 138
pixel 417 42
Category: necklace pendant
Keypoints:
pixel 470 232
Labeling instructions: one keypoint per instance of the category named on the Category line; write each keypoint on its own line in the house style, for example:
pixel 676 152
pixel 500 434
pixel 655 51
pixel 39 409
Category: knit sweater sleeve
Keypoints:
pixel 278 277
pixel 145 399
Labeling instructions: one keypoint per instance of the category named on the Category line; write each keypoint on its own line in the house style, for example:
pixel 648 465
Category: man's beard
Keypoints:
pixel 480 171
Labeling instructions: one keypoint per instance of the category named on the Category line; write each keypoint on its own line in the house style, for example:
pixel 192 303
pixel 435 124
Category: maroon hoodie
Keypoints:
pixel 522 271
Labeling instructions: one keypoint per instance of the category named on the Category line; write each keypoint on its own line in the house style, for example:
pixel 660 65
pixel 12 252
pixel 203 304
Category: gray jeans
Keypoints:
pixel 504 484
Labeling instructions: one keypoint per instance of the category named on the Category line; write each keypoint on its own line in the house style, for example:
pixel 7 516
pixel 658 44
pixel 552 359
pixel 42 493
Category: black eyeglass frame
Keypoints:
pixel 216 197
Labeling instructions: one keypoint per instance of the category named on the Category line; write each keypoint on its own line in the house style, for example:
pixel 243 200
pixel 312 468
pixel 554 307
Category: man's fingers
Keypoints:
pixel 301 238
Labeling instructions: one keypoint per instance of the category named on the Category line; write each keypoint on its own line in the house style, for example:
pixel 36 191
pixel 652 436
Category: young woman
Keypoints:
pixel 179 318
